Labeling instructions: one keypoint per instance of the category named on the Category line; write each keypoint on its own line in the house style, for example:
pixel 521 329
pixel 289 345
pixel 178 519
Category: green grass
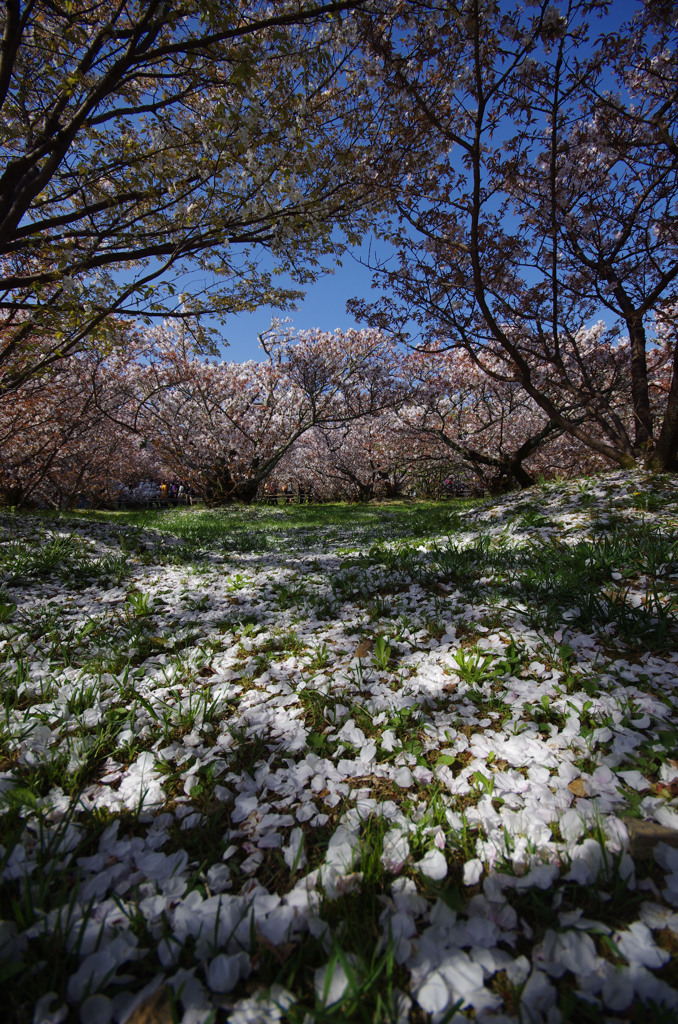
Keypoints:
pixel 237 524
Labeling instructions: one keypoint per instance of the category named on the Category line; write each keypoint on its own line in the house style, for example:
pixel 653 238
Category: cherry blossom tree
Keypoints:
pixel 57 446
pixel 337 416
pixel 493 427
pixel 664 376
pixel 224 427
pixel 535 191
pixel 144 141
pixel 355 461
pixel 604 188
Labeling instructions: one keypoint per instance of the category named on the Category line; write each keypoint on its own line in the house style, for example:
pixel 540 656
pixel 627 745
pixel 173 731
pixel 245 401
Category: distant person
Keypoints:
pixel 15 491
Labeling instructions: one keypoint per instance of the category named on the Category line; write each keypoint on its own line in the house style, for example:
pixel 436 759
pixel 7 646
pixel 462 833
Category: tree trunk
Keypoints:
pixel 640 392
pixel 245 490
pixel 664 458
pixel 520 475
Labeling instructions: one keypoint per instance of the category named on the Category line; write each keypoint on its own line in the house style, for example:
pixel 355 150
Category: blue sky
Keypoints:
pixel 324 307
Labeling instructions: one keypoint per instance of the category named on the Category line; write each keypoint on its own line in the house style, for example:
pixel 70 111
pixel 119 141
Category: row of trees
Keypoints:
pixel 337 415
pixel 520 163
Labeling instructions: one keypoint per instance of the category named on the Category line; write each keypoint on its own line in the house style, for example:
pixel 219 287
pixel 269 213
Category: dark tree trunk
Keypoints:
pixel 520 475
pixel 13 493
pixel 664 458
pixel 245 491
pixel 640 391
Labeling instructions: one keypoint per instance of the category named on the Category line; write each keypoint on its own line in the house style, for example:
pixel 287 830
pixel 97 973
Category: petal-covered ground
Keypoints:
pixel 399 763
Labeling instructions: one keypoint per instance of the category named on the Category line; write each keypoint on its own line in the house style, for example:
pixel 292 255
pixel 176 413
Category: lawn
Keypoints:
pixel 389 763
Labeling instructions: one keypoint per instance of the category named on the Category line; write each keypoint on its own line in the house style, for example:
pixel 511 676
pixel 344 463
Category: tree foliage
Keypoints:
pixel 335 416
pixel 58 446
pixel 522 162
pixel 491 426
pixel 224 427
pixel 537 190
pixel 143 141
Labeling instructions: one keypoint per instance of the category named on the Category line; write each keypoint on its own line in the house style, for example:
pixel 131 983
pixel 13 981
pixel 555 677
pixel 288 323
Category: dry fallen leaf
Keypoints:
pixel 578 787
pixel 668 789
pixel 644 836
pixel 363 649
pixel 156 1009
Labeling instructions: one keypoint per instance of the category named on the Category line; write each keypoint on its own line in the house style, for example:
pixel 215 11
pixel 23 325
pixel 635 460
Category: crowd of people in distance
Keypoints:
pixel 158 493
pixel 152 492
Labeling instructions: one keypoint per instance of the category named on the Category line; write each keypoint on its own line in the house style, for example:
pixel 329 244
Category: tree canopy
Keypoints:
pixel 537 191
pixel 520 161
pixel 143 140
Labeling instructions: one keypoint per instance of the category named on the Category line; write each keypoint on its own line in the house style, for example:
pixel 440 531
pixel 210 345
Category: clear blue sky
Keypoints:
pixel 324 308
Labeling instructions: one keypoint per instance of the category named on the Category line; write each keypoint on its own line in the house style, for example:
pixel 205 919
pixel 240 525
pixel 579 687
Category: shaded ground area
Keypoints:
pixel 397 763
